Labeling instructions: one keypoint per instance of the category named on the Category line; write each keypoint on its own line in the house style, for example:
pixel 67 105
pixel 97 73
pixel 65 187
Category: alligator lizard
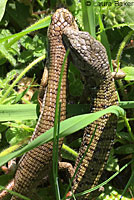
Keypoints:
pixel 33 166
pixel 90 57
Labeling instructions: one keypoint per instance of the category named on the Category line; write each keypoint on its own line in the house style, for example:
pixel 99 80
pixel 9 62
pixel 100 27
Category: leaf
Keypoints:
pixel 129 12
pixel 125 136
pixel 110 193
pixel 4 179
pixel 34 47
pixel 127 104
pixel 67 127
pixel 129 73
pixel 28 111
pixel 14 11
pixel 15 112
pixel 125 149
pixel 42 23
pixel 2 8
pixel 7 55
pixel 112 163
pixel 7 92
pixel 6 51
pixel 88 16
pixel 19 132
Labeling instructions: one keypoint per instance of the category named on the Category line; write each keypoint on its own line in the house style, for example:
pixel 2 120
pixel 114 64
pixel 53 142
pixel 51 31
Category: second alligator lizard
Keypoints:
pixel 90 57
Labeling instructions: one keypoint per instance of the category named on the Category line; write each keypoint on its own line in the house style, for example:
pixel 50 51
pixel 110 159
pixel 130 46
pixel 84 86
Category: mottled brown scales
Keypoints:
pixel 34 164
pixel 90 57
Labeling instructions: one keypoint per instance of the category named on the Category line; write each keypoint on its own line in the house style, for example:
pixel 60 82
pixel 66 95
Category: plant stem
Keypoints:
pixel 122 47
pixel 128 128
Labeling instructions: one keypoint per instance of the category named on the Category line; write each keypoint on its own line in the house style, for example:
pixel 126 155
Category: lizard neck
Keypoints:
pixel 46 120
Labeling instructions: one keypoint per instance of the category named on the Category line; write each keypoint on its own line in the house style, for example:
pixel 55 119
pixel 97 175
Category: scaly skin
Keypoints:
pixel 34 165
pixel 90 57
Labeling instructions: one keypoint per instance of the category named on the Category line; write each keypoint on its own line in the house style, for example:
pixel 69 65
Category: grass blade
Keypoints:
pixel 88 15
pixel 56 131
pixel 67 127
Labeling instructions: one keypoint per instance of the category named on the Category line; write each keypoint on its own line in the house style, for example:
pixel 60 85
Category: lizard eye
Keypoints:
pixel 69 19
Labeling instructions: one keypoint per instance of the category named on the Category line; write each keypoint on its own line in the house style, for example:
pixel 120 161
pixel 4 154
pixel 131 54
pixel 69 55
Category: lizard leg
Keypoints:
pixel 68 167
pixel 11 167
pixel 4 194
pixel 117 74
pixel 43 86
pixel 8 170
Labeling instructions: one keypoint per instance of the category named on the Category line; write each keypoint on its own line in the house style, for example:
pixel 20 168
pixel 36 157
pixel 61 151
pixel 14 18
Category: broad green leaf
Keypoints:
pixel 129 11
pixel 19 133
pixel 14 38
pixel 34 47
pixel 76 88
pixel 67 127
pixel 129 73
pixel 4 179
pixel 2 8
pixel 17 112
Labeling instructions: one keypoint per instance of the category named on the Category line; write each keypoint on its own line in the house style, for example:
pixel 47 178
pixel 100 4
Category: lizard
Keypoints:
pixel 90 57
pixel 35 164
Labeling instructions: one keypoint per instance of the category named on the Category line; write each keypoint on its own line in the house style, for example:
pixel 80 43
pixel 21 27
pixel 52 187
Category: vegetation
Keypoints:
pixel 23 48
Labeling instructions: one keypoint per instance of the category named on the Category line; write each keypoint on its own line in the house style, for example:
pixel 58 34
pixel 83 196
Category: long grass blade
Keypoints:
pixel 67 127
pixel 57 130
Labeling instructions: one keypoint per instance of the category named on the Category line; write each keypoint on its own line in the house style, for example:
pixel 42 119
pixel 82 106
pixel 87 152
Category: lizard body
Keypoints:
pixel 90 57
pixel 33 166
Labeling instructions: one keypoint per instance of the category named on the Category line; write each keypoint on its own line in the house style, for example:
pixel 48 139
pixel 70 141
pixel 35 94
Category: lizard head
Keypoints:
pixel 61 19
pixel 86 52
